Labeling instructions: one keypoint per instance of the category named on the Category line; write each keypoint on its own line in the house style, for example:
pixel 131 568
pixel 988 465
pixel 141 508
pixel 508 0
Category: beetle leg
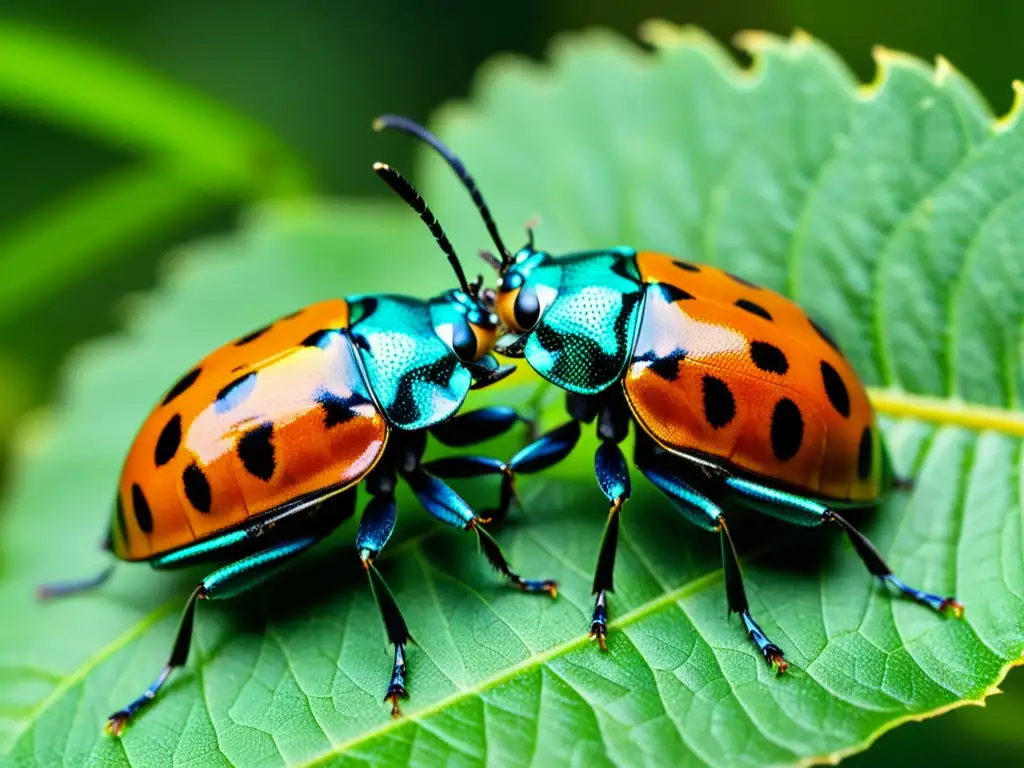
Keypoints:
pixel 448 507
pixel 223 583
pixel 375 528
pixel 476 426
pixel 65 588
pixel 613 477
pixel 707 515
pixel 537 455
pixel 878 567
pixel 798 509
pixel 74 586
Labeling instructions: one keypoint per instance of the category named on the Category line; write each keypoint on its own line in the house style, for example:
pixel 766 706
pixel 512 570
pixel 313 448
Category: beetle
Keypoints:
pixel 734 392
pixel 255 454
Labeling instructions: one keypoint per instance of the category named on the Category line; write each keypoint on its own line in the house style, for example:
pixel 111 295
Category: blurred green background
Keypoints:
pixel 313 75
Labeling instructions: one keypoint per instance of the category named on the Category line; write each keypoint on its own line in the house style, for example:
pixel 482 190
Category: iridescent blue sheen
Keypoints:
pixel 442 502
pixel 697 508
pixel 196 552
pixel 246 573
pixel 612 472
pixel 547 450
pixel 790 507
pixel 376 526
pixel 935 602
pixel 590 307
pixel 416 378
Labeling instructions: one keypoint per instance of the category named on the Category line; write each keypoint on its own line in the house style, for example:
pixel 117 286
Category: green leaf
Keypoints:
pixel 890 211
pixel 87 90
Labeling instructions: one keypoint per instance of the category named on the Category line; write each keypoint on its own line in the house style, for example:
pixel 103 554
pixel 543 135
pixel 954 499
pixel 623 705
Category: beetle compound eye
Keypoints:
pixel 464 342
pixel 527 308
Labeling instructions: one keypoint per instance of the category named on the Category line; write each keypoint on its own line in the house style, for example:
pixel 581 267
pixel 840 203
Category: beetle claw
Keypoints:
pixel 774 656
pixel 116 723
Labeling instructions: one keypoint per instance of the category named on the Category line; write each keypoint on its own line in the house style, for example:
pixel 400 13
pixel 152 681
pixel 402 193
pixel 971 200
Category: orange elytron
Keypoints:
pixel 254 455
pixel 734 392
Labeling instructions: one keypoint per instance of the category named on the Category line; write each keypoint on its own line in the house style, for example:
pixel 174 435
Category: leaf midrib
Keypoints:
pixel 888 401
pixel 531 662
pixel 946 411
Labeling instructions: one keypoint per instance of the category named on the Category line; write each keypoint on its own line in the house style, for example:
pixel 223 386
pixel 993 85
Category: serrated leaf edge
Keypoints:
pixel 662 34
pixel 833 758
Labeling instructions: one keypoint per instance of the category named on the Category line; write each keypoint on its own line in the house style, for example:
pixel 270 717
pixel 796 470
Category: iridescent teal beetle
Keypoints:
pixel 256 453
pixel 736 395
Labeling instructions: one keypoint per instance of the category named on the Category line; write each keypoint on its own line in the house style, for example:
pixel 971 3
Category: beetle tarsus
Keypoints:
pixel 951 607
pixel 775 657
pixel 539 585
pixel 599 621
pixel 116 723
pixel 395 693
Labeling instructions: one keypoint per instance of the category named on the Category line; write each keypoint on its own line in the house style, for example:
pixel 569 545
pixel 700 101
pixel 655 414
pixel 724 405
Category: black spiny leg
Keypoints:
pixel 546 451
pixel 223 583
pixel 665 472
pixel 375 528
pixel 448 507
pixel 810 512
pixel 470 428
pixel 878 567
pixel 613 477
pixel 537 455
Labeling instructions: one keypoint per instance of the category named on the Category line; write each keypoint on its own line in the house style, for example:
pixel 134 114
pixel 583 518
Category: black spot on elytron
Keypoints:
pixel 197 488
pixel 321 339
pixel 122 524
pixel 235 393
pixel 256 450
pixel 183 383
pixel 787 430
pixel 768 357
pixel 743 281
pixel 865 457
pixel 663 366
pixel 825 335
pixel 754 309
pixel 719 405
pixel 686 265
pixel 835 389
pixel 338 410
pixel 666 368
pixel 141 509
pixel 671 293
pixel 169 440
pixel 252 336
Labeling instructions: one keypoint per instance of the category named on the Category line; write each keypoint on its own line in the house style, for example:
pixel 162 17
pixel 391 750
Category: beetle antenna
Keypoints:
pixel 408 126
pixel 405 190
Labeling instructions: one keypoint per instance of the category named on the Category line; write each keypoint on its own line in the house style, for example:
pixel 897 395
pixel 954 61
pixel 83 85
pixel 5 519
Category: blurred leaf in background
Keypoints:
pixel 729 181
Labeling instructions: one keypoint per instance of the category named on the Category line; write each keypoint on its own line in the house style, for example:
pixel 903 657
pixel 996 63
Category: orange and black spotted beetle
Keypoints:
pixel 734 391
pixel 254 455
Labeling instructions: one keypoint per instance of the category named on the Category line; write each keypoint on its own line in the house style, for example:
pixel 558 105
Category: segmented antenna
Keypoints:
pixel 408 126
pixel 405 190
